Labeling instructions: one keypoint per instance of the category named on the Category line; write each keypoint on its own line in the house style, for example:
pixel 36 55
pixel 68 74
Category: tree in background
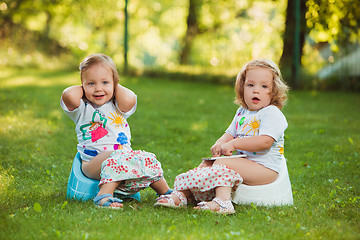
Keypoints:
pixel 34 30
pixel 192 29
pixel 210 36
pixel 226 34
pixel 335 23
pixel 158 30
pixel 293 41
pixel 19 24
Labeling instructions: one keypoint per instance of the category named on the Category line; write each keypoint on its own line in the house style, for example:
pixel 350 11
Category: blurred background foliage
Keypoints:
pixel 208 40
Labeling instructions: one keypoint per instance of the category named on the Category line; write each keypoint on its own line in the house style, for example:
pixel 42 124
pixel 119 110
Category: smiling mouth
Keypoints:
pixel 99 97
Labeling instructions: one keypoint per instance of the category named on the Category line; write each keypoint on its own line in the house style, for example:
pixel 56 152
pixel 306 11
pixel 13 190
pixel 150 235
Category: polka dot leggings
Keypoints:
pixel 203 181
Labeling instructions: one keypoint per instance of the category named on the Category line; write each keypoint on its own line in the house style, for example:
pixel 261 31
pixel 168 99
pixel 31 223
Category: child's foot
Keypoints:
pixel 217 206
pixel 108 201
pixel 174 200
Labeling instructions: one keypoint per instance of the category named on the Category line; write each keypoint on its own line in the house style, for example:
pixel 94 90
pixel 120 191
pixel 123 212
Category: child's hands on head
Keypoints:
pixel 72 96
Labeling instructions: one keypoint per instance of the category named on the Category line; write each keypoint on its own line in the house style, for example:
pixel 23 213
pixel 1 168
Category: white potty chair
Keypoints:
pixel 276 193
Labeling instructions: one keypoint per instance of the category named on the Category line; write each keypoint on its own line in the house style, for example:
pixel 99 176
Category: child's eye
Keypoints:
pixel 250 85
pixel 105 82
pixel 264 86
pixel 90 83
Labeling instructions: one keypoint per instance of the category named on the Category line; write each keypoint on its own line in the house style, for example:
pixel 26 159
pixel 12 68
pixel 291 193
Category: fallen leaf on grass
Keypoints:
pixel 37 207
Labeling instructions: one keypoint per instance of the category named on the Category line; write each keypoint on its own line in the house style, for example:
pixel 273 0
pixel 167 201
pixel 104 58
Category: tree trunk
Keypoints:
pixel 6 22
pixel 288 60
pixel 191 31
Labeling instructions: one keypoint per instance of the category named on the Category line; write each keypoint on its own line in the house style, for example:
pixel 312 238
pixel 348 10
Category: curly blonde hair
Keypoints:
pixel 279 90
pixel 99 58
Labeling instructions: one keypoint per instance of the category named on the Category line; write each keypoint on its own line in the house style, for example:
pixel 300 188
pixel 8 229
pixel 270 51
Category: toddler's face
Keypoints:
pixel 258 87
pixel 98 84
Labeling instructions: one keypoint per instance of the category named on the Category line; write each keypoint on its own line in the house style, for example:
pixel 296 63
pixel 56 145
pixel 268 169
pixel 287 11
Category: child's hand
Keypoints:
pixel 227 149
pixel 216 150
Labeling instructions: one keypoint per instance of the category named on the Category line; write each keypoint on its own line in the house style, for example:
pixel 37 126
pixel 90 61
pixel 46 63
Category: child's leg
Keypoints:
pixel 92 168
pixel 160 186
pixel 175 198
pixel 222 193
pixel 251 172
pixel 108 188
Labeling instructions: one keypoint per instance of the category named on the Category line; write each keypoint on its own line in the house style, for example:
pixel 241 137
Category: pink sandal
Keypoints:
pixel 226 207
pixel 170 201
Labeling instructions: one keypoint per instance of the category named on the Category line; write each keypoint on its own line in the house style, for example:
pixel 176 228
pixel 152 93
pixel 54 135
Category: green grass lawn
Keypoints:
pixel 178 121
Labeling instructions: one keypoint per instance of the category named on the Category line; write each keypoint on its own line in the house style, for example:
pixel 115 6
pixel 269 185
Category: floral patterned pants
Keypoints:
pixel 135 170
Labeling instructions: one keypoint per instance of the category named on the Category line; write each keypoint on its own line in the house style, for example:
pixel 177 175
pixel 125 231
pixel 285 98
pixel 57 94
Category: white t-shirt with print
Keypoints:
pixel 268 121
pixel 100 128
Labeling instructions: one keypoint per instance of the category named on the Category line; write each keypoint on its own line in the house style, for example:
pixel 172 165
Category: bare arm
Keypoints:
pixel 251 144
pixel 125 98
pixel 216 148
pixel 71 96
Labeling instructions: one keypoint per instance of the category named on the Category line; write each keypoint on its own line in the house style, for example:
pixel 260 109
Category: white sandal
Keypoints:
pixel 226 207
pixel 170 201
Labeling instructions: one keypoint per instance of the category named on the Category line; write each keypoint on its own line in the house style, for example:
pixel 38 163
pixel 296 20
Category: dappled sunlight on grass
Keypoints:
pixel 6 179
pixel 21 81
pixel 199 126
pixel 25 77
pixel 19 124
pixel 24 123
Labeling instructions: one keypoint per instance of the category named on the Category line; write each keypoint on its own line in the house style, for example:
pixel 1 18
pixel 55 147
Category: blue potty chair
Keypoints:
pixel 82 188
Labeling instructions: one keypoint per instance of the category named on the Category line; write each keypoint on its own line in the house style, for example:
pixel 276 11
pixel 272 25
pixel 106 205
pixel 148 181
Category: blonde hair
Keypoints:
pixel 279 89
pixel 99 58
